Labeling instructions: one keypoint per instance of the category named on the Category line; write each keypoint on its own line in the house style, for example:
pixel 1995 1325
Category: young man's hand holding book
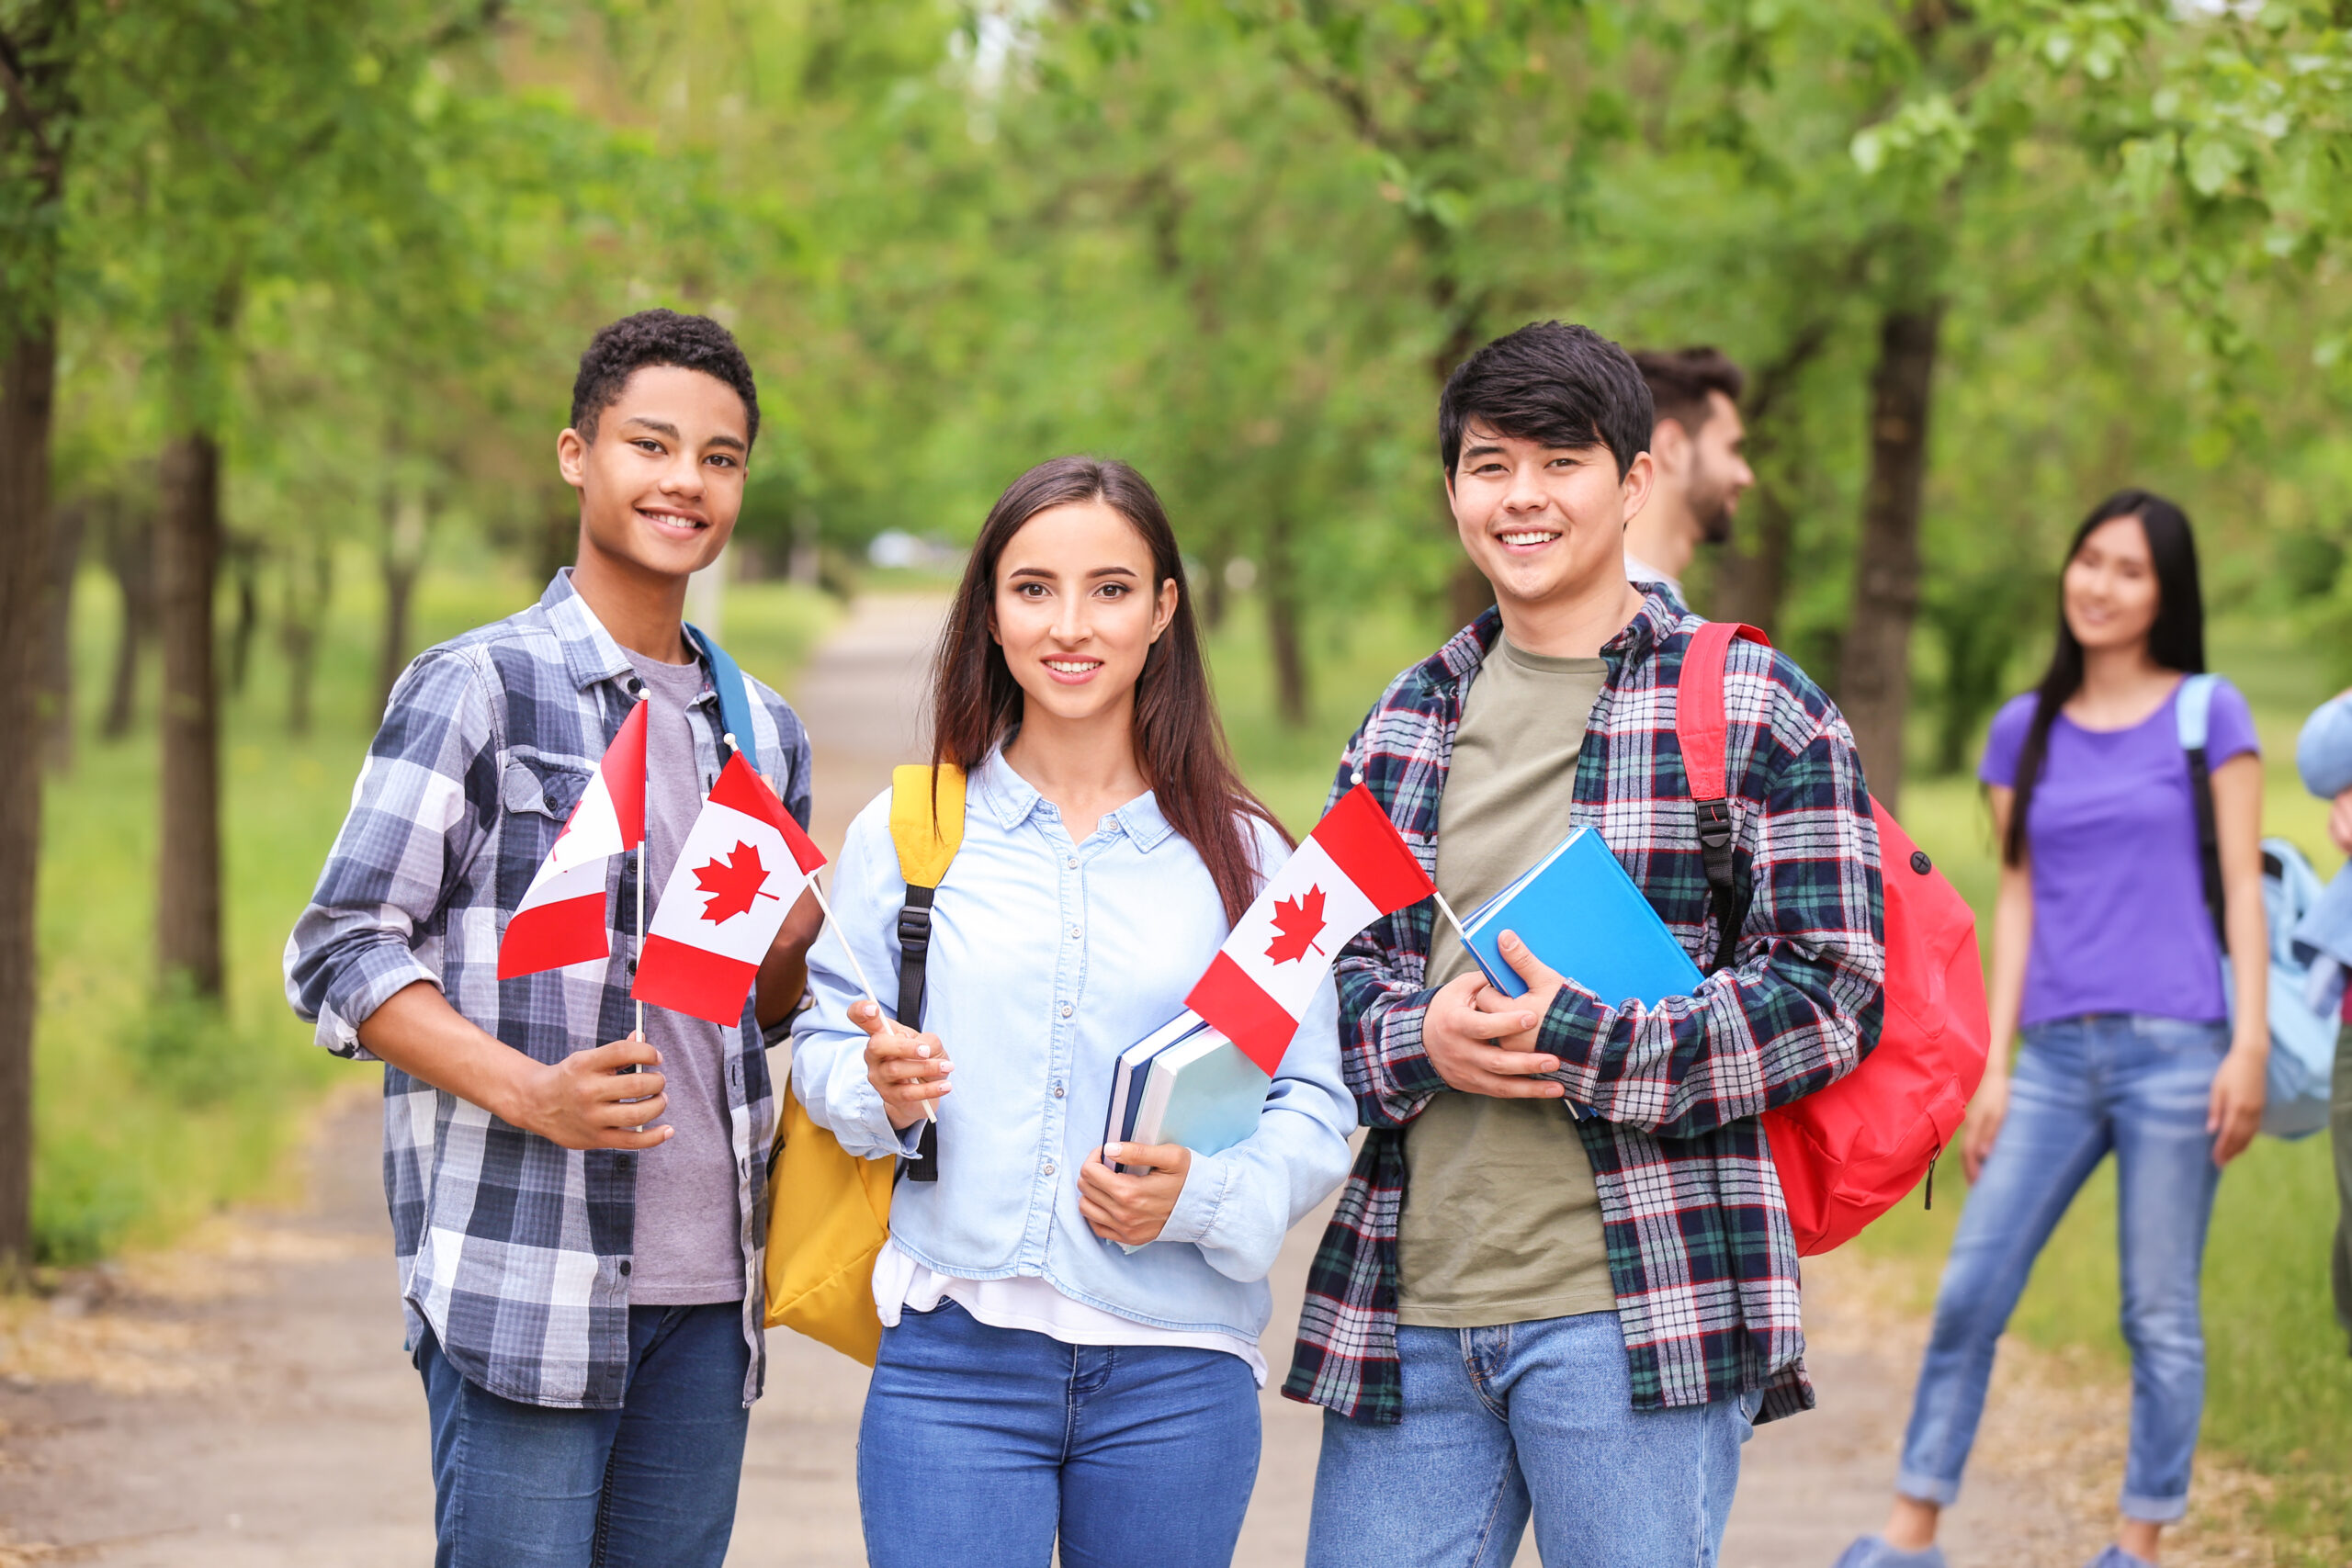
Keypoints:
pixel 1482 1042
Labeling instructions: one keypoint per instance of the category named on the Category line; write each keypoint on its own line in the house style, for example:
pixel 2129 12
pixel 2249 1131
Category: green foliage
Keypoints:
pixel 183 1046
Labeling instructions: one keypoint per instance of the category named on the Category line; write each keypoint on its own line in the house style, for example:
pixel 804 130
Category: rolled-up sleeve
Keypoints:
pixel 424 806
pixel 828 1050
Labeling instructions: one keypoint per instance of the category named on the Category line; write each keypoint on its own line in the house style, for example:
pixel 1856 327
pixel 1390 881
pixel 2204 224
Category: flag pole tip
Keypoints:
pixel 1356 777
pixel 731 745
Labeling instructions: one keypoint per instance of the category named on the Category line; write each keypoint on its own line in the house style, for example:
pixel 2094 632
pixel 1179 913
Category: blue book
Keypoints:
pixel 1578 911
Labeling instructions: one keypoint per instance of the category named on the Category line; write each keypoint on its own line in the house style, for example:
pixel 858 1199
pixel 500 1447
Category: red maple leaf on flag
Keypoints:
pixel 734 882
pixel 1299 921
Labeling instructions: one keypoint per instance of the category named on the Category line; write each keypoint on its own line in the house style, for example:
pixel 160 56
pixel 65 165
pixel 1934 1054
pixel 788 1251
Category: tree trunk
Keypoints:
pixel 1284 636
pixel 28 388
pixel 1468 595
pixel 131 555
pixel 57 638
pixel 1749 583
pixel 245 566
pixel 1874 662
pixel 187 552
pixel 406 520
pixel 310 584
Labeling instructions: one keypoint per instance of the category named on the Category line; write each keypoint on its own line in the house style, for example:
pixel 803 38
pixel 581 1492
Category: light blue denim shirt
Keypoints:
pixel 1048 959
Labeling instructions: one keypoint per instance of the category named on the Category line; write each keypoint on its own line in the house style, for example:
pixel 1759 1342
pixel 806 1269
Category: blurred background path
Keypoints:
pixel 243 1400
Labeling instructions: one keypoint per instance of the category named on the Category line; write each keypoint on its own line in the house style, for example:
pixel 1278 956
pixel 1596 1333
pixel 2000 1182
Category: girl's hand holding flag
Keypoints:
pixel 908 1071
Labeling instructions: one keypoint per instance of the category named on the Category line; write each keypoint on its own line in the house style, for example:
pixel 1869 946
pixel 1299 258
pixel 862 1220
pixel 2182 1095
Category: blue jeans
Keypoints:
pixel 981 1445
pixel 2082 1085
pixel 1527 1415
pixel 649 1485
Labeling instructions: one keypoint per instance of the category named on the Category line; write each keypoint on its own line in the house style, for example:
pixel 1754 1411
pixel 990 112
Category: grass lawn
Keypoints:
pixel 2279 1385
pixel 149 1114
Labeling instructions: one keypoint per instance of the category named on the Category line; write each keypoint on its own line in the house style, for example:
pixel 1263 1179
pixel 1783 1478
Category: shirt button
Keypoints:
pixel 1072 863
pixel 1068 1010
pixel 1057 1092
pixel 1073 933
pixel 1048 1168
pixel 624 1266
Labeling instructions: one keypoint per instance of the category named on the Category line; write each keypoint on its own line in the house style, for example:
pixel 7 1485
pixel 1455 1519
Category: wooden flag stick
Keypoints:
pixel 1450 918
pixel 930 1108
pixel 644 850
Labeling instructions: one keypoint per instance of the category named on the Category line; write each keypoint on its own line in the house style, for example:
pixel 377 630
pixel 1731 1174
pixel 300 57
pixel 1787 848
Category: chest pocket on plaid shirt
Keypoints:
pixel 537 795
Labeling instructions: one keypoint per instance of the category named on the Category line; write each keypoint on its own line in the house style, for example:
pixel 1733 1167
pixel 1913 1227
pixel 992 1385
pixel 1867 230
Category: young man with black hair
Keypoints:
pixel 574 1209
pixel 1699 471
pixel 1561 1278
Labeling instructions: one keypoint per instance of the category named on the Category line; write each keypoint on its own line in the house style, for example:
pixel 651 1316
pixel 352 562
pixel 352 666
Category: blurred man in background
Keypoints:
pixel 1695 445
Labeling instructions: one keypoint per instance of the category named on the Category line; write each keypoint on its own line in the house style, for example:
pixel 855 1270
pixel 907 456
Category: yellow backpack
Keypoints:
pixel 829 1211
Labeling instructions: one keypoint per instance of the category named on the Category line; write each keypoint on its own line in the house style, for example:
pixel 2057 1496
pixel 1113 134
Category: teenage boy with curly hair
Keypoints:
pixel 1561 1278
pixel 575 1210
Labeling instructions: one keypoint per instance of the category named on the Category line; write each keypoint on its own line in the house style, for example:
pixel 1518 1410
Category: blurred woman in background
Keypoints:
pixel 2106 962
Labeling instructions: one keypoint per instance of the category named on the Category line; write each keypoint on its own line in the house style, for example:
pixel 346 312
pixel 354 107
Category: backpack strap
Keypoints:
pixel 1703 733
pixel 734 697
pixel 2192 712
pixel 926 828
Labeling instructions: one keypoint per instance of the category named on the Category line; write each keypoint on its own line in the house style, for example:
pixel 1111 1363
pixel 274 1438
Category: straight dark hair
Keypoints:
pixel 1179 743
pixel 2176 641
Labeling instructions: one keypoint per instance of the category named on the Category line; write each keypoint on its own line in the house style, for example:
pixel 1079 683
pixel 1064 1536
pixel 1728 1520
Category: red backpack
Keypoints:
pixel 1850 1153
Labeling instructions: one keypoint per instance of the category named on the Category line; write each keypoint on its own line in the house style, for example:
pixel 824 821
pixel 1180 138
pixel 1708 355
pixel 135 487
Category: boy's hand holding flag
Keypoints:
pixel 1352 869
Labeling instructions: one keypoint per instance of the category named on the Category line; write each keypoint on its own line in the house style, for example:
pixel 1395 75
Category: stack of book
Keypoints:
pixel 1184 1083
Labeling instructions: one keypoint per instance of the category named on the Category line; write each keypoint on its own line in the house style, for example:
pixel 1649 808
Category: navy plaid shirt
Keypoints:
pixel 514 1250
pixel 1700 1249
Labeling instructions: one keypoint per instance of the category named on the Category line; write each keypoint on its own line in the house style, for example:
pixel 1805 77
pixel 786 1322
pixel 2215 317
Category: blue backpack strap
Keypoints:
pixel 2192 712
pixel 734 697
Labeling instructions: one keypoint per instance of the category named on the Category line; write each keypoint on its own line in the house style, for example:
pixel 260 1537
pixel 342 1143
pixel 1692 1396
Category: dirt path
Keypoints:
pixel 244 1400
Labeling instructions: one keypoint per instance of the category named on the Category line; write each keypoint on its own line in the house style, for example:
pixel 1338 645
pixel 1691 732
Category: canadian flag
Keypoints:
pixel 1352 869
pixel 561 918
pixel 739 873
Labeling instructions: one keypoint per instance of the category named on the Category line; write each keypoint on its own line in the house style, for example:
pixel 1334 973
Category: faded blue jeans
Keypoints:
pixel 981 1445
pixel 1526 1415
pixel 2083 1086
pixel 649 1485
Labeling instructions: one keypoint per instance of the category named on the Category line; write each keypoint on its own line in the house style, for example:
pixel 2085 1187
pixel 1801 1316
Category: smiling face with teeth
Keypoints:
pixel 1076 612
pixel 660 483
pixel 1546 526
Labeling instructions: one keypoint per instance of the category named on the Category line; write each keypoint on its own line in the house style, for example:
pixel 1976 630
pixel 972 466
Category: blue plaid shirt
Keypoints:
pixel 514 1250
pixel 1700 1249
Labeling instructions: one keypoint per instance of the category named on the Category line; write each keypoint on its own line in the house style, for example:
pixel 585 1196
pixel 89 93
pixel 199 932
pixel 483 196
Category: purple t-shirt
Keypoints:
pixel 2119 923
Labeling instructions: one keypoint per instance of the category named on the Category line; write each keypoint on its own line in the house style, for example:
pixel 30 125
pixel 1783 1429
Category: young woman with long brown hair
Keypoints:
pixel 1037 1379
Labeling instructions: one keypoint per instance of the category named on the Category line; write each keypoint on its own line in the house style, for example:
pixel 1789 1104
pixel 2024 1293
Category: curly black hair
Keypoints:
pixel 657 337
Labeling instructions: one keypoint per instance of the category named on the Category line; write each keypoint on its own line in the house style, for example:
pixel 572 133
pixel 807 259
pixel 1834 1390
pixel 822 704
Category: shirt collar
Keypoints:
pixel 589 653
pixel 1658 618
pixel 1011 799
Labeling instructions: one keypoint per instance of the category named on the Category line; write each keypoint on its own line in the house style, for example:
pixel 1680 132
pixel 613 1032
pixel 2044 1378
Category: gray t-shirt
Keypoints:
pixel 689 1247
pixel 1500 1222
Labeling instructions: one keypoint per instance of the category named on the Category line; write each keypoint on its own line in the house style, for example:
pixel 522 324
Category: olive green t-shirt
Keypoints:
pixel 1500 1222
